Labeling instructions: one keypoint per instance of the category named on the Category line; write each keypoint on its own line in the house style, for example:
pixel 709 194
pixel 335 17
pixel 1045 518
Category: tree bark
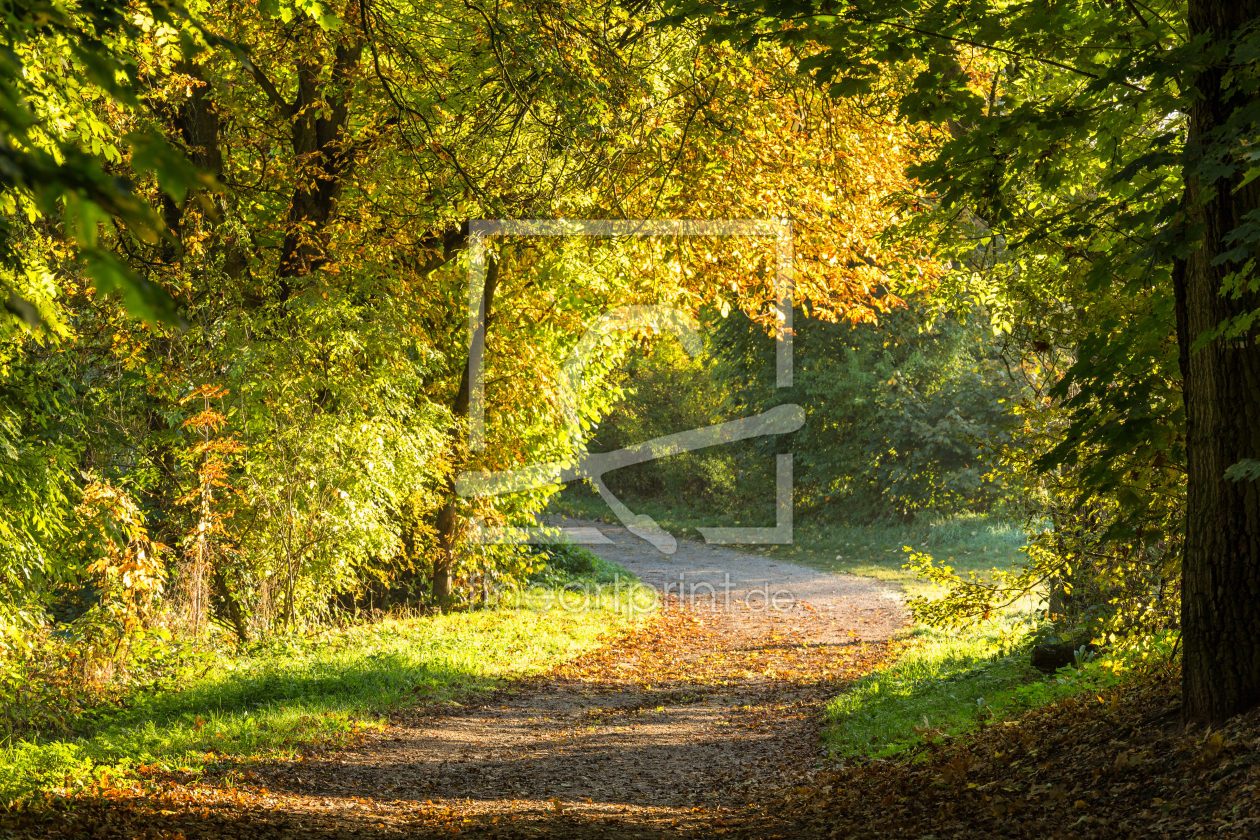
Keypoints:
pixel 448 518
pixel 1220 601
pixel 230 605
pixel 324 155
pixel 196 122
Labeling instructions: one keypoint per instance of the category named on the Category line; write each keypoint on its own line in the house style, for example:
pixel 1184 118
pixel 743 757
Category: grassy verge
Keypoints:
pixel 321 689
pixel 950 683
pixel 945 683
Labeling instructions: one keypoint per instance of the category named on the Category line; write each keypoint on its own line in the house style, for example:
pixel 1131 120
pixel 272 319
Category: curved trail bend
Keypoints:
pixel 669 731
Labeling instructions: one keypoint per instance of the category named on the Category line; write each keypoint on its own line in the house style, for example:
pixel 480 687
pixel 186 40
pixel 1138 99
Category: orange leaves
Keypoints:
pixel 698 648
pixel 205 392
pixel 129 564
pixel 210 452
pixel 1069 769
pixel 835 169
pixel 212 449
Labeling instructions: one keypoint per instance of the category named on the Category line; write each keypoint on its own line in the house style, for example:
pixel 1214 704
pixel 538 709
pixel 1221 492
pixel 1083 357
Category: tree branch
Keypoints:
pixel 273 94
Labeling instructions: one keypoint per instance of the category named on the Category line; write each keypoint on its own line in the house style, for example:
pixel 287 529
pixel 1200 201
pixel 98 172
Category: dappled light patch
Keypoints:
pixel 689 647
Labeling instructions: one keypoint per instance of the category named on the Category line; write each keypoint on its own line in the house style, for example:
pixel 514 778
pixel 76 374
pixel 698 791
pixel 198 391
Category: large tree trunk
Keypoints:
pixel 324 154
pixel 1221 574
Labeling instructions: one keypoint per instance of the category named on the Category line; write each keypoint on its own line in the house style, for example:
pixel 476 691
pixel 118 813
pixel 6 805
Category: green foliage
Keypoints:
pixel 64 66
pixel 903 415
pixel 295 192
pixel 668 391
pixel 566 564
pixel 570 559
pixel 333 450
pixel 37 458
pixel 1059 139
pixel 1130 592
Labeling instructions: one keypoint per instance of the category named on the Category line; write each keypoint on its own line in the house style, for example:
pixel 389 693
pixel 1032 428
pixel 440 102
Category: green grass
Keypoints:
pixel 302 691
pixel 966 541
pixel 949 683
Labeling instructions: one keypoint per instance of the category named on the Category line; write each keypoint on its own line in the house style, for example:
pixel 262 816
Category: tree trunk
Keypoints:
pixel 229 604
pixel 325 155
pixel 1220 599
pixel 323 151
pixel 196 122
pixel 447 518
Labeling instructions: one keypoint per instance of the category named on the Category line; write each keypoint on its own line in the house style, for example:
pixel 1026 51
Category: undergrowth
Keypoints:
pixel 566 563
pixel 951 682
pixel 296 693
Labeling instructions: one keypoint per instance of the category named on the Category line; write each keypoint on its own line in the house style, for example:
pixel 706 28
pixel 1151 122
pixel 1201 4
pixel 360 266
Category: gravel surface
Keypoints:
pixel 823 607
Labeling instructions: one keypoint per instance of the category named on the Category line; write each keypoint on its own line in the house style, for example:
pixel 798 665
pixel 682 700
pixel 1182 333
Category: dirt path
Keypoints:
pixel 671 729
pixel 759 593
pixel 677 729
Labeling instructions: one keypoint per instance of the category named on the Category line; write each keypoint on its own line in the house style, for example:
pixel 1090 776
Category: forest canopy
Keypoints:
pixel 235 254
pixel 234 363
